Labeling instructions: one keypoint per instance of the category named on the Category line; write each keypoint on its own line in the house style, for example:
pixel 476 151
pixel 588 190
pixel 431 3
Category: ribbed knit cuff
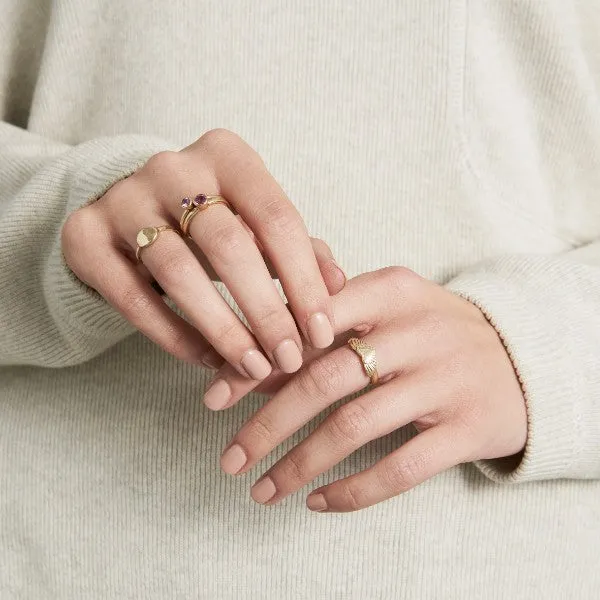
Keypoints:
pixel 529 301
pixel 96 166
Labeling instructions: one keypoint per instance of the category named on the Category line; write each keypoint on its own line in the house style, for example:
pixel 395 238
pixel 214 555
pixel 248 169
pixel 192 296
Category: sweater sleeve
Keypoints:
pixel 546 310
pixel 47 316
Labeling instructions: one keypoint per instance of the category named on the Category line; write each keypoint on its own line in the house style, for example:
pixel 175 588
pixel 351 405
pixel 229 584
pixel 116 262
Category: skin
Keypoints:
pixel 267 237
pixel 442 365
pixel 443 368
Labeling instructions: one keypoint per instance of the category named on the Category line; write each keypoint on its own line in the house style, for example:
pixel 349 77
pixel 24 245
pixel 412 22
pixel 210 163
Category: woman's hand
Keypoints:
pixel 442 367
pixel 99 243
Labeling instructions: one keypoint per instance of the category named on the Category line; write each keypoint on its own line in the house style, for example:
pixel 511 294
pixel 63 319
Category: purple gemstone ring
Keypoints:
pixel 199 200
pixel 193 207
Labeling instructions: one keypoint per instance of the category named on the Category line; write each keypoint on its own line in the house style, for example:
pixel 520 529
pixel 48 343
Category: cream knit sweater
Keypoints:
pixel 460 138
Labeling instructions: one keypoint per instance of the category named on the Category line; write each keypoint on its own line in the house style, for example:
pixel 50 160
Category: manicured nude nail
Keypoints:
pixel 263 490
pixel 217 395
pixel 212 359
pixel 288 356
pixel 256 365
pixel 233 459
pixel 316 502
pixel 320 331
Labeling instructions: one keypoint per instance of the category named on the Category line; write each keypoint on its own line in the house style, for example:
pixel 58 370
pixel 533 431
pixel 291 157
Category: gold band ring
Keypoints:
pixel 147 236
pixel 367 356
pixel 193 207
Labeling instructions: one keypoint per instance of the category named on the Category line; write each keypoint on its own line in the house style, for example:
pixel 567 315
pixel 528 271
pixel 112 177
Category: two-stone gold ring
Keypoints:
pixel 148 235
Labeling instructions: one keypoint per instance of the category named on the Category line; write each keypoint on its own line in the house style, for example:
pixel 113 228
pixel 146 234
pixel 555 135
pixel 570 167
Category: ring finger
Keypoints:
pixel 176 269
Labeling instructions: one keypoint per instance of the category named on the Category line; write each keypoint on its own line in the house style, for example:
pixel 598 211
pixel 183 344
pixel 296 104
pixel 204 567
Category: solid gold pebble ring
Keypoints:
pixel 367 356
pixel 193 207
pixel 147 236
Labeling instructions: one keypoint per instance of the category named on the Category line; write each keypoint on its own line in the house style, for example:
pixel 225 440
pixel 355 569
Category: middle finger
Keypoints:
pixel 241 267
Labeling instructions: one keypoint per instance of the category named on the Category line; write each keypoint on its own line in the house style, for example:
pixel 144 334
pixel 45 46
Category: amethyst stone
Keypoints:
pixel 186 203
pixel 199 200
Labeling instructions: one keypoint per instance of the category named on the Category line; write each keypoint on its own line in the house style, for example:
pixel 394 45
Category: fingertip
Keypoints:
pixel 333 275
pixel 218 394
pixel 255 365
pixel 316 502
pixel 212 359
pixel 320 331
pixel 321 248
pixel 288 356
pixel 335 278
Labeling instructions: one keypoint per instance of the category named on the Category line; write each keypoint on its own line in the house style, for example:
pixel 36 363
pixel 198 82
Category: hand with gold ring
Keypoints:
pixel 239 228
pixel 441 366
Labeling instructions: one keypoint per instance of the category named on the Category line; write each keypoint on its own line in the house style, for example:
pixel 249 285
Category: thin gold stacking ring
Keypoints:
pixel 367 356
pixel 147 236
pixel 193 207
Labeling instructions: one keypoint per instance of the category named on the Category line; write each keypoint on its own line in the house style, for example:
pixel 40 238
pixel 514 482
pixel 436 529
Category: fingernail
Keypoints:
pixel 316 502
pixel 320 330
pixel 217 395
pixel 288 356
pixel 212 359
pixel 263 490
pixel 233 459
pixel 256 365
pixel 341 274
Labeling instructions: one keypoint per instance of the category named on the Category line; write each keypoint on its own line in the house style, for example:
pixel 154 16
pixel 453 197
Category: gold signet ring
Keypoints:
pixel 147 236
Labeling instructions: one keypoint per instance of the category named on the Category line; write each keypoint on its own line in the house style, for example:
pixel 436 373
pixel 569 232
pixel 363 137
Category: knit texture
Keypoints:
pixel 458 138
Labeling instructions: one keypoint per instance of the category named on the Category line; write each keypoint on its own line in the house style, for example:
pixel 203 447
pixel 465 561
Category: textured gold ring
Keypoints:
pixel 193 207
pixel 367 356
pixel 147 236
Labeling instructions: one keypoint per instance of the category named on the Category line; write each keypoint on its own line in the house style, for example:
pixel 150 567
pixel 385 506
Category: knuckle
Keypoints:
pixel 399 278
pixel 403 474
pixel 126 193
pixel 174 339
pixel 173 269
pixel 166 161
pixel 323 378
pixel 266 319
pixel 121 189
pixel 294 468
pixel 226 243
pixel 351 497
pixel 307 290
pixel 134 303
pixel 276 215
pixel 224 334
pixel 84 243
pixel 76 229
pixel 224 147
pixel 349 424
pixel 219 137
pixel 259 431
